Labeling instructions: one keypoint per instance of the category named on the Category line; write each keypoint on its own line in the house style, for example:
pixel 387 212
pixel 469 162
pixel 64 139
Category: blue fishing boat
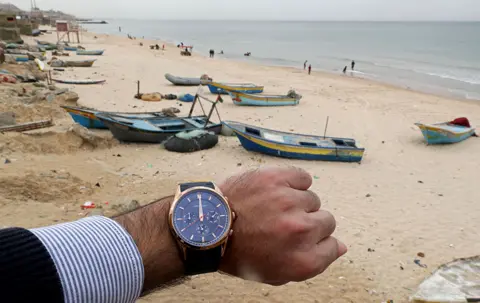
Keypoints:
pixel 239 98
pixel 445 133
pixel 296 146
pixel 157 130
pixel 79 81
pixel 224 88
pixel 70 48
pixel 88 117
pixel 82 52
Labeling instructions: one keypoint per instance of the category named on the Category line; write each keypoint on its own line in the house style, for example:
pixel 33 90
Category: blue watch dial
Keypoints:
pixel 201 218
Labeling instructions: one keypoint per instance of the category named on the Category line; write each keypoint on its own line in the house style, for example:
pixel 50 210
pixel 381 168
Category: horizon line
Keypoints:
pixel 273 20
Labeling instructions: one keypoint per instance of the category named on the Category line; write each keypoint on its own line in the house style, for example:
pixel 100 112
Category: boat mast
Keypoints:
pixel 326 126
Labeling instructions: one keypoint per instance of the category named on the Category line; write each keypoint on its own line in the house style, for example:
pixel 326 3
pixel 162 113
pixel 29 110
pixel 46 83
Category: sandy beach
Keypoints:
pixel 404 198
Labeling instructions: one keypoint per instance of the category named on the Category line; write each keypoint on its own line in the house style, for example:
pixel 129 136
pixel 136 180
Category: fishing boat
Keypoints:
pixel 184 81
pixel 224 88
pixel 157 130
pixel 88 117
pixel 239 98
pixel 79 82
pixel 70 48
pixel 82 52
pixel 19 58
pixel 83 63
pixel 447 132
pixel 296 146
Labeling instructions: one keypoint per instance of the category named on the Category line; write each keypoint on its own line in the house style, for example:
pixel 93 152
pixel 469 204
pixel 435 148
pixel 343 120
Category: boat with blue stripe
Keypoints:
pixel 224 88
pixel 445 133
pixel 88 117
pixel 296 146
pixel 239 98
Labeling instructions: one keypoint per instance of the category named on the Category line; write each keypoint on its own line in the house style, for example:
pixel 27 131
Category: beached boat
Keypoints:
pixel 296 146
pixel 70 48
pixel 154 130
pixel 83 63
pixel 223 88
pixel 157 130
pixel 183 81
pixel 239 98
pixel 88 117
pixel 444 133
pixel 80 82
pixel 82 52
pixel 19 58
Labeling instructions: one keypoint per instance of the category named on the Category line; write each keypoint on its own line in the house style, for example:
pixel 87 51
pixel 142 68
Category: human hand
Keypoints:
pixel 280 234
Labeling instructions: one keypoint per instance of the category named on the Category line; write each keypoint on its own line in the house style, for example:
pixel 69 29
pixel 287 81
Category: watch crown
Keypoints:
pixel 230 233
pixel 234 215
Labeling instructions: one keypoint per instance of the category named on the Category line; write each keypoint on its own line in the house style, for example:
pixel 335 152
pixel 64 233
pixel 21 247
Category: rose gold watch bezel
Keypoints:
pixel 184 245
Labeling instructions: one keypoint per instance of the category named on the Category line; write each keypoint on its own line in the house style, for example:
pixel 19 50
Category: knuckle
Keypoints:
pixel 305 269
pixel 296 228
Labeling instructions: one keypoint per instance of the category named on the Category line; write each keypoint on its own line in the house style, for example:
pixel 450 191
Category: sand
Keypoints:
pixel 405 197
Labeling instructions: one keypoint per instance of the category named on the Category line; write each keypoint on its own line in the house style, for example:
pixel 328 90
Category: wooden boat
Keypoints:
pixel 223 88
pixel 82 52
pixel 296 146
pixel 83 63
pixel 19 58
pixel 183 81
pixel 444 133
pixel 239 98
pixel 88 117
pixel 157 130
pixel 70 48
pixel 79 82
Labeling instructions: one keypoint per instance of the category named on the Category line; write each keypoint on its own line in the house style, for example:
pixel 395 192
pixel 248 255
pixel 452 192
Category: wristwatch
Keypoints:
pixel 201 219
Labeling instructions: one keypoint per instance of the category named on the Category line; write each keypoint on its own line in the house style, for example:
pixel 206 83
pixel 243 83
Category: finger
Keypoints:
pixel 307 199
pixel 324 225
pixel 295 177
pixel 326 252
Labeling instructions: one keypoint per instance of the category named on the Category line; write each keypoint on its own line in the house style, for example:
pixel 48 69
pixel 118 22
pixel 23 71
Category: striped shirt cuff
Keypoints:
pixel 96 259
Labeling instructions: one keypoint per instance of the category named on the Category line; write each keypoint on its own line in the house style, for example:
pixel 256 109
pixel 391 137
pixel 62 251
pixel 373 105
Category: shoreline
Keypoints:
pixel 323 73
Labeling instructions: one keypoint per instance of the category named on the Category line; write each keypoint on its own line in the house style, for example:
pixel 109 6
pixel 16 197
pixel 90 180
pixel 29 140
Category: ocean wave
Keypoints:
pixel 475 81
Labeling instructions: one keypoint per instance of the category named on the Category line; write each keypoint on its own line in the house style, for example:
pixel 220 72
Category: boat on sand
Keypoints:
pixel 239 98
pixel 224 88
pixel 447 132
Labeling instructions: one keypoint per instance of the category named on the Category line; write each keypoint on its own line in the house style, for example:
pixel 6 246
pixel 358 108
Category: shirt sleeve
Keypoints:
pixel 96 260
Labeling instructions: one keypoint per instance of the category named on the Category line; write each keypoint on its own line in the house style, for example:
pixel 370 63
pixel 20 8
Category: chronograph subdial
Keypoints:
pixel 188 218
pixel 212 217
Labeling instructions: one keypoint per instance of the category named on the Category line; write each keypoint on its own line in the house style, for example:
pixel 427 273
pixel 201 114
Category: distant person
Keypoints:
pixel 163 47
pixel 157 47
pixel 345 69
pixel 309 69
pixel 353 65
pixel 221 52
pixel 120 29
pixel 305 65
pixel 212 53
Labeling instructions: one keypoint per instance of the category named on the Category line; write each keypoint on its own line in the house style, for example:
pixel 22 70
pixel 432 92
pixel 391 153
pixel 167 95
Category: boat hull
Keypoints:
pixel 86 63
pixel 223 89
pixel 259 144
pixel 70 49
pixel 88 117
pixel 79 82
pixel 89 53
pixel 435 134
pixel 126 133
pixel 180 81
pixel 259 100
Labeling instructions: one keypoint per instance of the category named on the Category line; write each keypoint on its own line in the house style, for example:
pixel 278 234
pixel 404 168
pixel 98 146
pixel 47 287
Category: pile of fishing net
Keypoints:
pixel 191 141
pixel 293 94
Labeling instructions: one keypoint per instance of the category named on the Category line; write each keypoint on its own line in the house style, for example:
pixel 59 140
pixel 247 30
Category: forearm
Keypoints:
pixel 148 227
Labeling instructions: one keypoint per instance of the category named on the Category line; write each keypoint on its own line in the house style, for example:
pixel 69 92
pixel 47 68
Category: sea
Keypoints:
pixel 434 57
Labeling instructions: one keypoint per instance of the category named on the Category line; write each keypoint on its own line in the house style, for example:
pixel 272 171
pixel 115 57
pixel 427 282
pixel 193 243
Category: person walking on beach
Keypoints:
pixel 120 29
pixel 309 69
pixel 305 65
pixel 345 69
pixel 212 53
pixel 353 65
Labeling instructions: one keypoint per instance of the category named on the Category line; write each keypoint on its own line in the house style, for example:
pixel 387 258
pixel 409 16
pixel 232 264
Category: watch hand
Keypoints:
pixel 200 214
pixel 189 225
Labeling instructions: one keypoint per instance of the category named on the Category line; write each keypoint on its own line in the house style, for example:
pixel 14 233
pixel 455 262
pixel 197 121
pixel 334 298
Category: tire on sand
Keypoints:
pixel 187 142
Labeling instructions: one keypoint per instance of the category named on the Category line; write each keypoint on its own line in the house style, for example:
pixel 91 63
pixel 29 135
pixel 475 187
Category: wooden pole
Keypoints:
pixel 326 126
pixel 138 88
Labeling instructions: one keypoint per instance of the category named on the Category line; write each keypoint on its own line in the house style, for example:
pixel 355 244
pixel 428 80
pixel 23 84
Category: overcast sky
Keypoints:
pixel 267 9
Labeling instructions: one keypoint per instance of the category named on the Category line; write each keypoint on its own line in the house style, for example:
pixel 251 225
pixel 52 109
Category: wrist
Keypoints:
pixel 161 258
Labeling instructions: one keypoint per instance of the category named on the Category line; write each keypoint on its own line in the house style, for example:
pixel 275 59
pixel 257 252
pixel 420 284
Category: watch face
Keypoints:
pixel 201 218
